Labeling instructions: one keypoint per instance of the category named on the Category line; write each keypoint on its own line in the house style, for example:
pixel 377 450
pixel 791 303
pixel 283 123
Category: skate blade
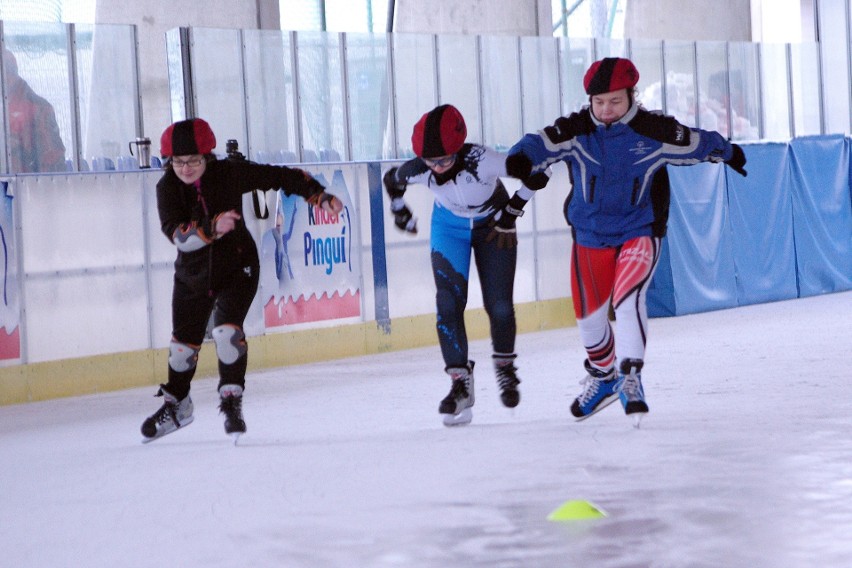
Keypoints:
pixel 186 423
pixel 606 402
pixel 637 419
pixel 463 418
pixel 236 437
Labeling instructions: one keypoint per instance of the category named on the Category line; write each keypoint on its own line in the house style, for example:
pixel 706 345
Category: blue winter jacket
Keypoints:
pixel 619 182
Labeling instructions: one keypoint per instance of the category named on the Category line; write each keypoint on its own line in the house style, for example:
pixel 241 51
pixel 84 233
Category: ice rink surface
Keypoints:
pixel 745 460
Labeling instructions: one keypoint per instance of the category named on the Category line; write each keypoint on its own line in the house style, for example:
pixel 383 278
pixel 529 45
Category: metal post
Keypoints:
pixel 74 95
pixel 728 89
pixel 344 81
pixel 392 101
pixel 189 102
pixel 790 98
pixel 480 82
pixel 137 87
pixel 297 104
pixel 4 145
pixel 391 8
pixel 664 91
pixel 436 66
pixel 696 85
pixel 761 116
pixel 243 97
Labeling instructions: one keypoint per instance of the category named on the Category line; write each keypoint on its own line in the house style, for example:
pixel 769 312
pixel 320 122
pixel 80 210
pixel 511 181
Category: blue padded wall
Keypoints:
pixel 785 231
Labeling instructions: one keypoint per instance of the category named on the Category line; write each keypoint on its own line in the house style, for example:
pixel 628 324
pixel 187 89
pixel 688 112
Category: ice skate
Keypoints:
pixel 231 405
pixel 630 390
pixel 173 415
pixel 598 392
pixel 456 406
pixel 507 379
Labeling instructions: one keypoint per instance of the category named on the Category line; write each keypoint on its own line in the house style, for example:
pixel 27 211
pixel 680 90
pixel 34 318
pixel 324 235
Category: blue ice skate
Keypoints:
pixel 599 391
pixel 630 389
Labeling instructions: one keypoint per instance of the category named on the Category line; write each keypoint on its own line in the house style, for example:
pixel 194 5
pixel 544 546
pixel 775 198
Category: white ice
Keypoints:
pixel 745 460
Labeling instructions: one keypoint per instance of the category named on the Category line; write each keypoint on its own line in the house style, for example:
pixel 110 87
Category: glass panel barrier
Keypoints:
pixel 270 98
pixel 775 91
pixel 415 84
pixel 680 99
pixel 501 93
pixel 458 80
pixel 369 94
pixel 320 93
pixel 40 132
pixel 712 71
pixel 540 82
pixel 107 83
pixel 744 89
pixel 806 100
pixel 218 83
pixel 575 55
pixel 833 32
pixel 648 57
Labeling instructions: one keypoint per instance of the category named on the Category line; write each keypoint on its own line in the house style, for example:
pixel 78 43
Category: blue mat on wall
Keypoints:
pixel 785 231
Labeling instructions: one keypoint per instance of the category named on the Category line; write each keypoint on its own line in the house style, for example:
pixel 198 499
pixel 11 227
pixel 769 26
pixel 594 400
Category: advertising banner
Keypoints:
pixel 309 260
pixel 10 338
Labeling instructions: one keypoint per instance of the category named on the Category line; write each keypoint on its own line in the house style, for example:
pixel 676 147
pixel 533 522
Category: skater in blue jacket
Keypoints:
pixel 616 153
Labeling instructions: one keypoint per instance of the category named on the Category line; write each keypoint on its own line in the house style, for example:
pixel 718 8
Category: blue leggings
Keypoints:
pixel 453 240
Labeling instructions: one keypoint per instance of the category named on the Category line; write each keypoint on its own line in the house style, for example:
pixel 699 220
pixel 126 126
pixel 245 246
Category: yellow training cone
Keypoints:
pixel 576 511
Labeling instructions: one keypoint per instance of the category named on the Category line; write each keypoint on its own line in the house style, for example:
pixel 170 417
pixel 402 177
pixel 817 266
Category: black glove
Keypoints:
pixel 737 160
pixel 403 218
pixel 567 127
pixel 537 181
pixel 503 223
pixel 519 166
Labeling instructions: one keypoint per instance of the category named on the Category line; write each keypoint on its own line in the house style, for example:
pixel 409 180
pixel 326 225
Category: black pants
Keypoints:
pixel 229 303
pixel 453 241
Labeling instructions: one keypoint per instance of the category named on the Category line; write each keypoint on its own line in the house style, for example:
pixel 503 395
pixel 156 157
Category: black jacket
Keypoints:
pixel 221 189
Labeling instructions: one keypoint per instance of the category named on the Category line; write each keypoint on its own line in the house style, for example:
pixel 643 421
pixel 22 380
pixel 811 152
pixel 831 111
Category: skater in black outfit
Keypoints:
pixel 199 200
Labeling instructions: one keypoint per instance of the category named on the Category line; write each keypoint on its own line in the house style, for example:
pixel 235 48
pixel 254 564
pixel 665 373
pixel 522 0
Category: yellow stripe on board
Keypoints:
pixel 117 371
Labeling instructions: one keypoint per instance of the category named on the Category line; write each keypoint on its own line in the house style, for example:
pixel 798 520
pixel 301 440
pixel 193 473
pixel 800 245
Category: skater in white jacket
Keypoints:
pixel 472 215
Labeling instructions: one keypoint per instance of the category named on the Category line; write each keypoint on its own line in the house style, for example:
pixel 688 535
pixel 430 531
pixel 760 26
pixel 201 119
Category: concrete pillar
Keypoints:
pixel 474 17
pixel 690 20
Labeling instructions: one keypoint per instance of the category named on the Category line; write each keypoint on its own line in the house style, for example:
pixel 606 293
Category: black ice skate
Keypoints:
pixel 231 405
pixel 456 406
pixel 507 379
pixel 173 415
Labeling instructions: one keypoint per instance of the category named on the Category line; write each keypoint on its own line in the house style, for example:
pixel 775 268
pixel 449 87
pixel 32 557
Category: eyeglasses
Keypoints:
pixel 440 162
pixel 192 163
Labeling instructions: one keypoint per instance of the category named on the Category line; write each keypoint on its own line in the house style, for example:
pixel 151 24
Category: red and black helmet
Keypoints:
pixel 186 138
pixel 439 132
pixel 610 74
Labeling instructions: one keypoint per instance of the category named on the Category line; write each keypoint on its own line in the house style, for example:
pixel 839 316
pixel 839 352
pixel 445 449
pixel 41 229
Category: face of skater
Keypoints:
pixel 440 164
pixel 190 168
pixel 610 107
